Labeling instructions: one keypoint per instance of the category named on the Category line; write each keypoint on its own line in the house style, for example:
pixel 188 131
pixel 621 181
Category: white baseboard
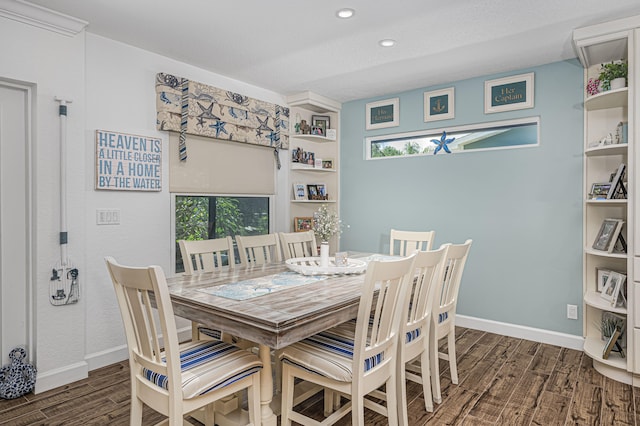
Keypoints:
pixel 61 376
pixel 522 332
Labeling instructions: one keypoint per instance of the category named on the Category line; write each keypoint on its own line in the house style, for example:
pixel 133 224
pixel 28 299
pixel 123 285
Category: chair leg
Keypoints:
pixel 253 400
pixel 435 368
pixel 425 372
pixel 451 349
pixel 286 395
pixel 357 410
pixel 392 400
pixel 402 393
pixel 210 415
pixel 136 411
pixel 329 397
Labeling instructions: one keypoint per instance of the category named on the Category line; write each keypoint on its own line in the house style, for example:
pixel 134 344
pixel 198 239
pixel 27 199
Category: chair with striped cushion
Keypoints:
pixel 354 365
pixel 413 354
pixel 298 244
pixel 178 379
pixel 403 243
pixel 443 315
pixel 203 256
pixel 257 250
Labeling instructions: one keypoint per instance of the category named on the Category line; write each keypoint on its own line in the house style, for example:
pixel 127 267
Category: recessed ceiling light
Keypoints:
pixel 345 13
pixel 387 42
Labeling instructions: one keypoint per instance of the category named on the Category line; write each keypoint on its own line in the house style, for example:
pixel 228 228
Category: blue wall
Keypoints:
pixel 522 207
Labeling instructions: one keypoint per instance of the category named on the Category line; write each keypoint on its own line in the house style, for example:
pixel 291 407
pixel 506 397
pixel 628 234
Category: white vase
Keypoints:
pixel 324 254
pixel 618 83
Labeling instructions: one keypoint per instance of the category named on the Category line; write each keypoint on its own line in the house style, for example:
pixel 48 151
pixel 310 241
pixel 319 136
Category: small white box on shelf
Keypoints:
pixel 317 163
pixel 331 134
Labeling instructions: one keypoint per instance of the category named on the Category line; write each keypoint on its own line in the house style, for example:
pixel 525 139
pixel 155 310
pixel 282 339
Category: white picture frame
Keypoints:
pixel 299 191
pixel 439 104
pixel 612 287
pixel 382 114
pixel 608 235
pixel 508 94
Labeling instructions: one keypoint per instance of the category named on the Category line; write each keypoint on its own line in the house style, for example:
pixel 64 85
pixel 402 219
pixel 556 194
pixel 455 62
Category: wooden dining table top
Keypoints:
pixel 275 319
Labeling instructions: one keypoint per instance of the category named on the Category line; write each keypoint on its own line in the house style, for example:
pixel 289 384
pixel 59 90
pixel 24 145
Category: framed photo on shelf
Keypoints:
pixel 608 235
pixel 323 121
pixel 439 104
pixel 612 287
pixel 617 188
pixel 302 224
pixel 601 278
pixel 299 191
pixel 322 189
pixel 312 192
pixel 600 191
pixel 382 114
pixel 327 163
pixel 509 93
pixel 608 347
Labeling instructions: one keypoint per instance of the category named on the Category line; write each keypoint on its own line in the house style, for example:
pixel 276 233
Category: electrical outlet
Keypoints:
pixel 108 216
pixel 572 311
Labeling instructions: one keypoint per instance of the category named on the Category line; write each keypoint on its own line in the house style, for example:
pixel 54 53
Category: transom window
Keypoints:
pixel 485 136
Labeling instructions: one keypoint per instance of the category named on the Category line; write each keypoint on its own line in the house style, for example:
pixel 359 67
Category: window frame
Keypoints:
pixel 436 132
pixel 271 198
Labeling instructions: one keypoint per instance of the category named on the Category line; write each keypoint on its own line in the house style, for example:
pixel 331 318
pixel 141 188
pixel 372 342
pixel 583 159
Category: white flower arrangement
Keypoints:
pixel 326 223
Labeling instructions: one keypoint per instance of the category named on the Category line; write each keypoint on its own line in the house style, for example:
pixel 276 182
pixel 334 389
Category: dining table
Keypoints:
pixel 270 305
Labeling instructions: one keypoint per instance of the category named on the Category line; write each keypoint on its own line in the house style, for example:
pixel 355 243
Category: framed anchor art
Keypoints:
pixel 439 104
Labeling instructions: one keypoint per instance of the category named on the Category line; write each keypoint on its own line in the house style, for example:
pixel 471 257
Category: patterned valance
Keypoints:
pixel 194 108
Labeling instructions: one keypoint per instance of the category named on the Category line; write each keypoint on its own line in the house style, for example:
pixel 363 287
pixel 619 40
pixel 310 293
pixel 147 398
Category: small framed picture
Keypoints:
pixel 608 347
pixel 600 191
pixel 302 224
pixel 317 130
pixel 323 121
pixel 608 235
pixel 601 278
pixel 439 104
pixel 299 191
pixel 322 189
pixel 312 192
pixel 327 163
pixel 509 93
pixel 318 163
pixel 382 114
pixel 612 287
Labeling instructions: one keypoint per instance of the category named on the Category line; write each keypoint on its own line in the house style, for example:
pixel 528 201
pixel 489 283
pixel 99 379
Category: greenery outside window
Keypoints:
pixel 509 134
pixel 200 217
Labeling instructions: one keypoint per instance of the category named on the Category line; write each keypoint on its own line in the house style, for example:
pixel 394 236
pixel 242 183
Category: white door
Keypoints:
pixel 15 220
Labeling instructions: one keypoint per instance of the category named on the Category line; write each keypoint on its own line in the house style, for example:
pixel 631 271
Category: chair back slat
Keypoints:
pixel 298 244
pixel 403 243
pixel 428 265
pixel 207 255
pixel 446 297
pixel 256 250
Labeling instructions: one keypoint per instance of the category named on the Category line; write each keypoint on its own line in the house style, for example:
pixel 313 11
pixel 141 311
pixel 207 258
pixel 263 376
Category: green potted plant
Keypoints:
pixel 615 70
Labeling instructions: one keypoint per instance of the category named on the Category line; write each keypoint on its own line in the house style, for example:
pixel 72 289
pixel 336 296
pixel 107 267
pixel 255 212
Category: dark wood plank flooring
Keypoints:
pixel 503 381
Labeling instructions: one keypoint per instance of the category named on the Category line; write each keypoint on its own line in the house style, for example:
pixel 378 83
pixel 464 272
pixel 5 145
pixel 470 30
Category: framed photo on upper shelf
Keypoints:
pixel 600 191
pixel 617 190
pixel 608 235
pixel 323 121
pixel 327 163
pixel 299 191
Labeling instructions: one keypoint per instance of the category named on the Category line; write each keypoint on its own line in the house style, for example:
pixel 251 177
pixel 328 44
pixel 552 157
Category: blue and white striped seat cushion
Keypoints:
pixel 210 332
pixel 209 365
pixel 328 354
pixel 349 327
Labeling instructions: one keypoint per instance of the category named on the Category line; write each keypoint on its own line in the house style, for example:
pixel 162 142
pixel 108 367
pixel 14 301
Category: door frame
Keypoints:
pixel 30 91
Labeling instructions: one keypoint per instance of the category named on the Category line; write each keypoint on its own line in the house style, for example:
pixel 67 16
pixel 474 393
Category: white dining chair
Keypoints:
pixel 354 364
pixel 204 256
pixel 256 250
pixel 403 243
pixel 176 379
pixel 443 315
pixel 298 244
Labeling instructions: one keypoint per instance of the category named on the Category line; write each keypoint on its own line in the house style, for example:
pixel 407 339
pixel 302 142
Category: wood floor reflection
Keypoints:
pixel 503 381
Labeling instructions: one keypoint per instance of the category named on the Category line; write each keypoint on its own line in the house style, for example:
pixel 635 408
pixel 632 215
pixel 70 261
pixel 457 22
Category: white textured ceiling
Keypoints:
pixel 289 46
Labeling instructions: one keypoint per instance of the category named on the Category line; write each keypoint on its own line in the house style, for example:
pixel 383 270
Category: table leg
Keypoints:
pixel 266 387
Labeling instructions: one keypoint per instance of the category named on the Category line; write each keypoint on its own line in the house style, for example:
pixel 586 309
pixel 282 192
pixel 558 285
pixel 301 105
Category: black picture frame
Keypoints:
pixel 617 184
pixel 323 121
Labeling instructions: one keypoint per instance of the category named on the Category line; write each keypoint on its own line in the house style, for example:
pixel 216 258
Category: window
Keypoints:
pixel 485 136
pixel 199 217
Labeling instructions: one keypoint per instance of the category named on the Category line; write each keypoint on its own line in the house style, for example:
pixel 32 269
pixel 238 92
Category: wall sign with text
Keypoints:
pixel 509 93
pixel 383 114
pixel 127 162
